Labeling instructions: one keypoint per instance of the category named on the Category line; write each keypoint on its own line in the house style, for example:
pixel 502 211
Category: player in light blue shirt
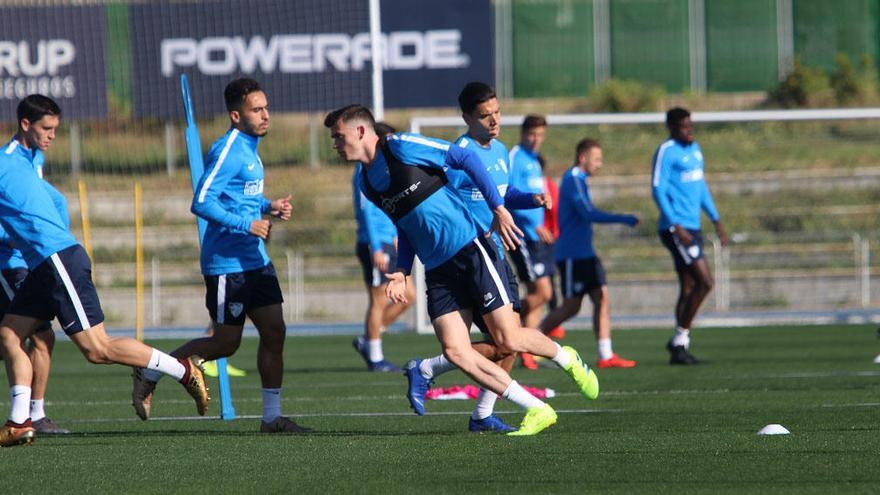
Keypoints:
pixel 42 342
pixel 534 260
pixel 240 279
pixel 376 250
pixel 580 268
pixel 481 112
pixel 403 174
pixel 59 282
pixel 680 191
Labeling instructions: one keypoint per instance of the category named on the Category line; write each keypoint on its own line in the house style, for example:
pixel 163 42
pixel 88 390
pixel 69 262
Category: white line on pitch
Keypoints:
pixel 331 415
pixel 863 404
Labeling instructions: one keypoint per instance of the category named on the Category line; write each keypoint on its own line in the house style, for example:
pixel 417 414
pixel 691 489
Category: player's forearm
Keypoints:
pixel 213 212
pixel 514 199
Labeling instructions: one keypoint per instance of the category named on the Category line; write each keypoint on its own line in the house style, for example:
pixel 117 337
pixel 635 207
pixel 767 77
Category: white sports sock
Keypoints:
pixel 271 404
pixel 485 404
pixel 604 346
pixel 163 364
pixel 20 402
pixel 375 348
pixel 682 336
pixel 435 366
pixel 37 411
pixel 520 396
pixel 561 358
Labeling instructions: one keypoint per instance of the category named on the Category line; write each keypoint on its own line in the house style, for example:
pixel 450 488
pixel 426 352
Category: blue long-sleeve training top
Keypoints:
pixel 29 207
pixel 229 196
pixel 11 257
pixel 373 225
pixel 577 214
pixel 495 159
pixel 679 186
pixel 526 176
pixel 438 227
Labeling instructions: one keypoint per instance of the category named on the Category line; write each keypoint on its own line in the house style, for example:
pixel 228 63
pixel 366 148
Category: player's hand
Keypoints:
pixel 281 208
pixel 396 288
pixel 505 227
pixel 633 221
pixel 722 234
pixel 380 260
pixel 683 235
pixel 545 200
pixel 260 228
pixel 545 235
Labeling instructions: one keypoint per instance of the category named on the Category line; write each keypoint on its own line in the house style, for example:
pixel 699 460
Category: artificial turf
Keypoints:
pixel 654 429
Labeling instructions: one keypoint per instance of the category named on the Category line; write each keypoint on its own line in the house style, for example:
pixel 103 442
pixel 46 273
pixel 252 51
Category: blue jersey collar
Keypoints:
pixel 13 147
pixel 252 141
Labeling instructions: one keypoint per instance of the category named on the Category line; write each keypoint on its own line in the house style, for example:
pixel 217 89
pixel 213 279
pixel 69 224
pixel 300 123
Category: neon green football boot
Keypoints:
pixel 536 420
pixel 583 376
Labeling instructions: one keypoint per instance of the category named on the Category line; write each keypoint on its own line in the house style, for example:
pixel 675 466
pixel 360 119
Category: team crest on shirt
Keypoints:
pixel 235 309
pixel 253 187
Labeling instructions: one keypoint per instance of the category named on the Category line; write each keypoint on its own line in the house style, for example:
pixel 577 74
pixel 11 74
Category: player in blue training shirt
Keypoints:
pixel 482 114
pixel 240 279
pixel 403 174
pixel 59 282
pixel 376 250
pixel 580 268
pixel 42 342
pixel 680 192
pixel 534 260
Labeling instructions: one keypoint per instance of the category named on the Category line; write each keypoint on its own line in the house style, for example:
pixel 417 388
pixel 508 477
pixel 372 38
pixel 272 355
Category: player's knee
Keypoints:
pixel 97 354
pixel 272 340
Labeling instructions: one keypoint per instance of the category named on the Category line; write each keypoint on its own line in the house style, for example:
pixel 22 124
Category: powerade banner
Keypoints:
pixel 55 51
pixel 309 55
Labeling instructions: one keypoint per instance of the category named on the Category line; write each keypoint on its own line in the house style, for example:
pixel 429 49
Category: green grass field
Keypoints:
pixel 654 429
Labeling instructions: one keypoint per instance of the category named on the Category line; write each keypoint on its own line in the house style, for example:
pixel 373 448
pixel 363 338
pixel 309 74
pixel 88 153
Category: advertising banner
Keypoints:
pixel 309 55
pixel 55 51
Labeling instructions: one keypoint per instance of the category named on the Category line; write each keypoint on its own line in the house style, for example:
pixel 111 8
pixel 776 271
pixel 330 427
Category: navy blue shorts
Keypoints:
pixel 533 260
pixel 513 290
pixel 476 278
pixel 10 281
pixel 230 296
pixel 683 255
pixel 373 277
pixel 61 286
pixel 578 277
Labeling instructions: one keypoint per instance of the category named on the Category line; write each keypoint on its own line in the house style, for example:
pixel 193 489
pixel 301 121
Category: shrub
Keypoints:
pixel 616 95
pixel 802 87
pixel 854 86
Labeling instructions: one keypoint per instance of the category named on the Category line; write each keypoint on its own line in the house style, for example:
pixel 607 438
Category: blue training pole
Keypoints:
pixel 196 170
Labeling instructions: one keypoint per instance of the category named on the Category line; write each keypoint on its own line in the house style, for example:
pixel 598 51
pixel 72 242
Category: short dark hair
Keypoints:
pixel 584 145
pixel 237 91
pixel 383 128
pixel 675 115
pixel 532 122
pixel 349 113
pixel 473 94
pixel 35 107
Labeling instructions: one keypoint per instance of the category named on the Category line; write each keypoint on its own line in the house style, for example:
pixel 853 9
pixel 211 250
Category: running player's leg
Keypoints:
pixel 14 330
pixel 538 294
pixel 369 346
pixel 42 342
pixel 602 329
pixel 702 284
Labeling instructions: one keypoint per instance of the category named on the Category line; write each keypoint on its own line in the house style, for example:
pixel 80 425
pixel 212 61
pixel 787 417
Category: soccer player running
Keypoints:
pixel 376 250
pixel 534 258
pixel 482 114
pixel 680 191
pixel 42 342
pixel 403 174
pixel 59 282
pixel 579 266
pixel 240 279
